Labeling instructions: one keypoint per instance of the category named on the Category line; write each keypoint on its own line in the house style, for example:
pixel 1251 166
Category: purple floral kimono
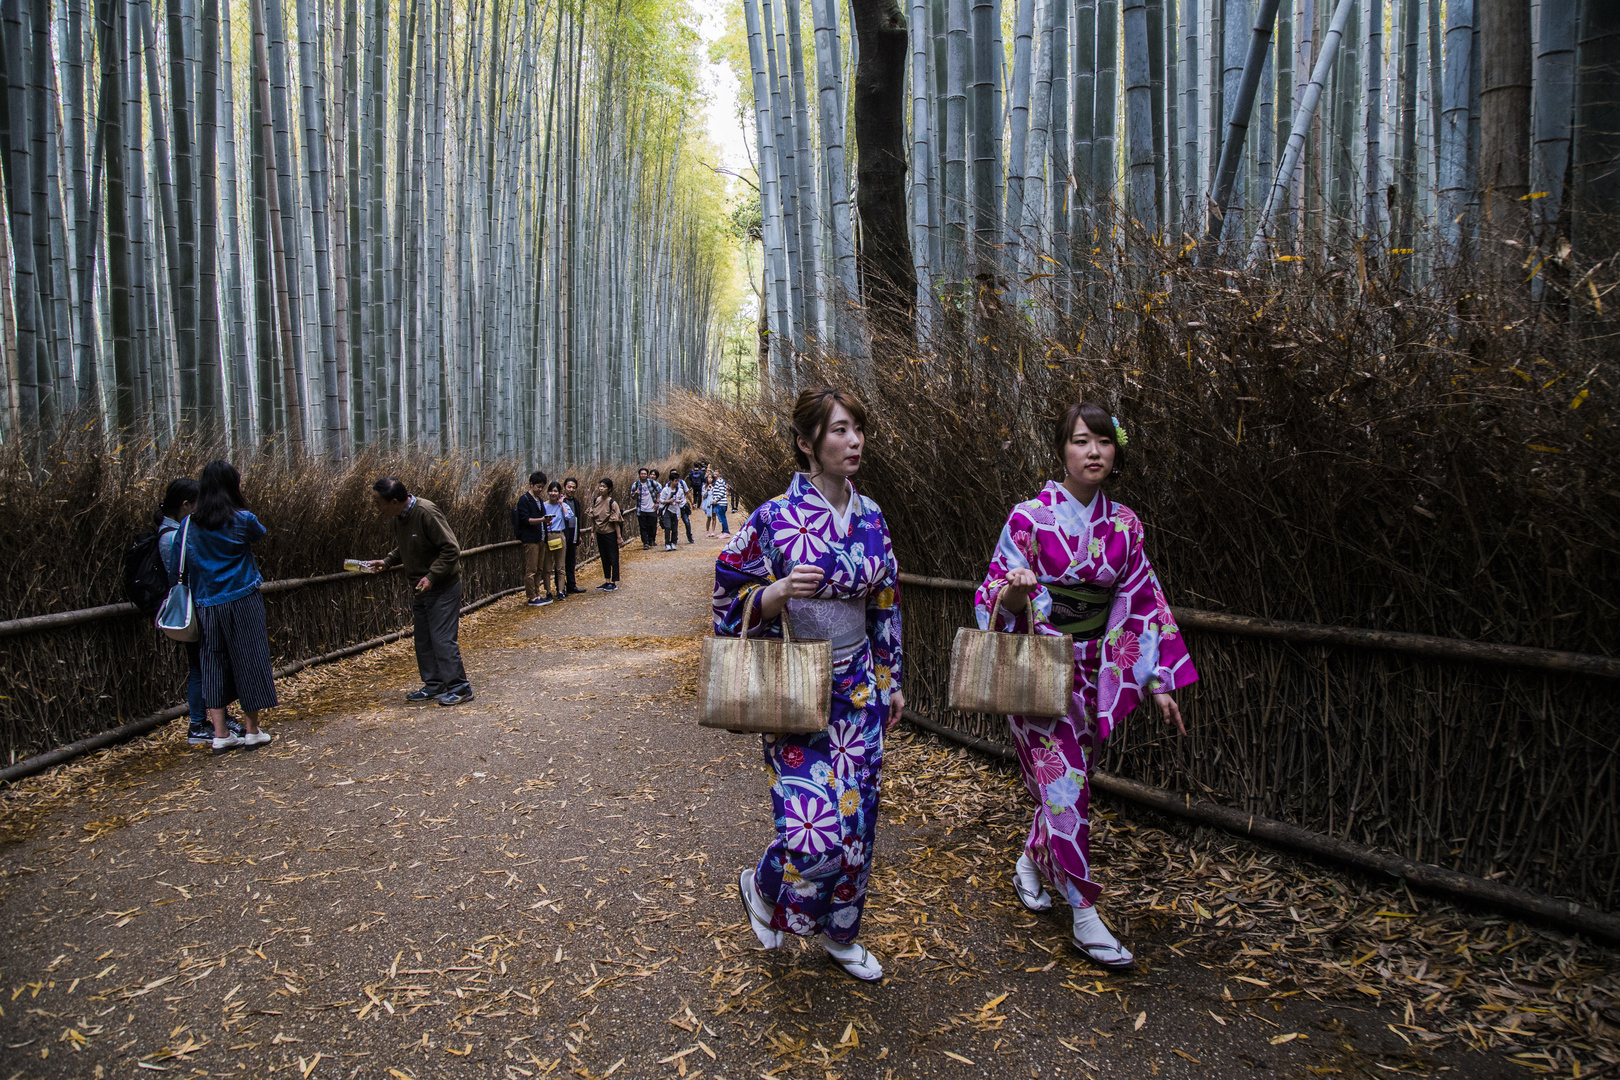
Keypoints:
pixel 824 787
pixel 1140 652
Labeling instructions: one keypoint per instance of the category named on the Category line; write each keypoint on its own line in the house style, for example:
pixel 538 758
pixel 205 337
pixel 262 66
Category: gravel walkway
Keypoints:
pixel 542 883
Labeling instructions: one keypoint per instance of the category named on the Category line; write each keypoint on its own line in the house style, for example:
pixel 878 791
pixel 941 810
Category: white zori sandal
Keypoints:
pixel 759 916
pixel 854 958
pixel 1095 940
pixel 1027 884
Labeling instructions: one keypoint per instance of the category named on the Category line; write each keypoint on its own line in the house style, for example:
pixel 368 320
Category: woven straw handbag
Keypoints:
pixel 1014 674
pixel 775 686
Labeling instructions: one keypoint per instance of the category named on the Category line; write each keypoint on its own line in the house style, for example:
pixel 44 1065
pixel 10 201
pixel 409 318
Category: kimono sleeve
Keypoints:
pixel 749 560
pixel 883 619
pixel 1014 551
pixel 1161 663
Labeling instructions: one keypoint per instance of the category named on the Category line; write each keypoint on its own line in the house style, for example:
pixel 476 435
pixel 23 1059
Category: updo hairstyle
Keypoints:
pixel 811 414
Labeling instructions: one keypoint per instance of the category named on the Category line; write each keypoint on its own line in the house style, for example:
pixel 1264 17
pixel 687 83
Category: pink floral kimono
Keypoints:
pixel 1089 561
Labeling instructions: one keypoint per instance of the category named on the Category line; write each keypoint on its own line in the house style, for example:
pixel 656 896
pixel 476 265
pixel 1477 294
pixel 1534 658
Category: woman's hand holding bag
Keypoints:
pixel 775 686
pixel 1026 674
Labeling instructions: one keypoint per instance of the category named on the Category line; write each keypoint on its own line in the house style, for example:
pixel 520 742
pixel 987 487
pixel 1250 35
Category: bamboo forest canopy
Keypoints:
pixel 476 224
pixel 1056 153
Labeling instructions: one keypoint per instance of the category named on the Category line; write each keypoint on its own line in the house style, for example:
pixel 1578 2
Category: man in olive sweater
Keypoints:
pixel 426 546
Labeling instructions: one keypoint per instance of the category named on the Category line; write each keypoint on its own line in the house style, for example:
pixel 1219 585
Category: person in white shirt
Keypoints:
pixel 644 497
pixel 671 501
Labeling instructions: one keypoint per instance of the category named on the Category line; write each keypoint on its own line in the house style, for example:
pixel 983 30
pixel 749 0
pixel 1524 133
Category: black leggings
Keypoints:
pixel 608 545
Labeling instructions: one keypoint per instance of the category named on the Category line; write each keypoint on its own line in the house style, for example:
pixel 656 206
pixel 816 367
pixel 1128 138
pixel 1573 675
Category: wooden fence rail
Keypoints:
pixel 1478 652
pixel 61 620
pixel 1501 762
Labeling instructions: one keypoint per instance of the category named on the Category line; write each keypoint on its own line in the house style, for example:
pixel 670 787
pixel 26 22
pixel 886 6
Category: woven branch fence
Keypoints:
pixel 1506 771
pixel 74 674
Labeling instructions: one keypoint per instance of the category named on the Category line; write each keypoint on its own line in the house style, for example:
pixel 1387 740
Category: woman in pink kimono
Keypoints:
pixel 1074 557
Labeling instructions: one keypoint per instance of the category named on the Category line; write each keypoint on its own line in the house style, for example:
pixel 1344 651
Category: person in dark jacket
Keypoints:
pixel 571 532
pixel 179 500
pixel 225 580
pixel 426 546
pixel 532 532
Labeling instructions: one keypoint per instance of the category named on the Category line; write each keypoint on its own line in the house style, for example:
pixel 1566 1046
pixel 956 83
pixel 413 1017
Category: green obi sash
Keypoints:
pixel 1080 610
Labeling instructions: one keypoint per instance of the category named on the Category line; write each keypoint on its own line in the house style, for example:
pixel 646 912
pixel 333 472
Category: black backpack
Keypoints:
pixel 146 582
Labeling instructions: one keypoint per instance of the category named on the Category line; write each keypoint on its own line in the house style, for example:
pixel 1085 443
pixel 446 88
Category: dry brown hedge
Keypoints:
pixel 72 506
pixel 1385 462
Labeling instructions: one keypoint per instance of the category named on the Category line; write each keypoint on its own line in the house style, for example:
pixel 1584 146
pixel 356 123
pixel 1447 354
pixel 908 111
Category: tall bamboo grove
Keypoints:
pixel 1057 149
pixel 475 224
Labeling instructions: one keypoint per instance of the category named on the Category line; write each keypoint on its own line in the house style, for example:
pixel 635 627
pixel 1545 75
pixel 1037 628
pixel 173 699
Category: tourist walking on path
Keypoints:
pixel 559 516
pixel 708 505
pixel 532 531
pixel 426 546
pixel 1074 556
pixel 225 580
pixel 691 491
pixel 674 504
pixel 697 485
pixel 607 522
pixel 179 500
pixel 821 552
pixel 570 498
pixel 719 497
pixel 644 496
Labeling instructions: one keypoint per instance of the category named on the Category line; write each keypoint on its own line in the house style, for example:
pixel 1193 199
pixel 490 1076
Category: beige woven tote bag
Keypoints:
pixel 778 687
pixel 1014 674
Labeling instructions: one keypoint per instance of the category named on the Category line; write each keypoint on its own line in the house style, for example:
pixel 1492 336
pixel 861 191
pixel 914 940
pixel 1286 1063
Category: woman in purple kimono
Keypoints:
pixel 1074 557
pixel 821 552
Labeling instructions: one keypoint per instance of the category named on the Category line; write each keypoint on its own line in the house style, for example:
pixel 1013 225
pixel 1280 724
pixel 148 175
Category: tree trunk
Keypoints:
pixel 1237 125
pixel 1139 117
pixel 1594 226
pixel 1504 146
pixel 1454 195
pixel 1553 107
pixel 880 133
pixel 1303 115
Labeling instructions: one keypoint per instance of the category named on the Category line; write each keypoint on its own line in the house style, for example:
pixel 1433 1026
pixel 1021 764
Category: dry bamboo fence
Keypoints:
pixel 74 674
pixel 1502 771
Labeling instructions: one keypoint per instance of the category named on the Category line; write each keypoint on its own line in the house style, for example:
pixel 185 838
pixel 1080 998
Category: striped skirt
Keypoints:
pixel 236 655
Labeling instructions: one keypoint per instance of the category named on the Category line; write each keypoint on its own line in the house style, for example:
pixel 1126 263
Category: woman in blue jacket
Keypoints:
pixel 225 582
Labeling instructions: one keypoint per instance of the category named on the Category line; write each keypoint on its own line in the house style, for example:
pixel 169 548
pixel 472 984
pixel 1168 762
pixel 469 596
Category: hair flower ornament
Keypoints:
pixel 1120 438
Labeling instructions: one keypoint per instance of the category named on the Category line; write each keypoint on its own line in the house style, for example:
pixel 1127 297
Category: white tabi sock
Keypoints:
pixel 1103 945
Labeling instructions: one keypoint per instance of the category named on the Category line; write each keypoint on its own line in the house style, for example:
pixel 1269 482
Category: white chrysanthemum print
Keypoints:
pixel 798 532
pixel 848 747
pixel 809 824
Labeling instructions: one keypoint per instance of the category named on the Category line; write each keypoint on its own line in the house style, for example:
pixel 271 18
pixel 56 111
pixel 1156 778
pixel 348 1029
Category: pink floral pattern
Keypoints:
pixel 1048 764
pixel 1067 543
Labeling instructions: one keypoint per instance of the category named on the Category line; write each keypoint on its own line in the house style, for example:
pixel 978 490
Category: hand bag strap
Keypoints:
pixel 185 528
pixel 748 609
pixel 995 606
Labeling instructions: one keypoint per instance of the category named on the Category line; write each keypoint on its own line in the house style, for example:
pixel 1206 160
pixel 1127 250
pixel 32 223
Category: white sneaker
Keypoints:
pixel 255 739
pixel 754 905
pixel 227 744
pixel 1097 941
pixel 854 958
pixel 1027 884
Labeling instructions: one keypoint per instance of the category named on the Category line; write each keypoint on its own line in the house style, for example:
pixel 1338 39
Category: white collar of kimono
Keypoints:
pixel 840 521
pixel 1068 505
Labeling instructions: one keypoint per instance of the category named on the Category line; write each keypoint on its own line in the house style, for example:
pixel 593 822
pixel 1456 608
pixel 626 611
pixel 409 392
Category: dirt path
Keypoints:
pixel 543 883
